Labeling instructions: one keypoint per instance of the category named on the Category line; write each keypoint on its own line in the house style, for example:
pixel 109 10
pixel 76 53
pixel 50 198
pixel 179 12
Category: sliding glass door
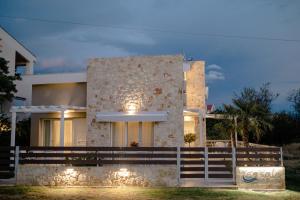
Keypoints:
pixel 74 132
pixel 130 134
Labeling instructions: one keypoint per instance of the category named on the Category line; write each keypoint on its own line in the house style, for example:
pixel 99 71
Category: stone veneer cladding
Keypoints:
pixel 152 83
pixel 108 175
pixel 195 97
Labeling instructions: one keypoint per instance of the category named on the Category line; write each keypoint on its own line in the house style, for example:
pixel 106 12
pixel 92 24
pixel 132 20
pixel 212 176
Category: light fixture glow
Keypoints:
pixel 123 172
pixel 188 119
pixel 131 108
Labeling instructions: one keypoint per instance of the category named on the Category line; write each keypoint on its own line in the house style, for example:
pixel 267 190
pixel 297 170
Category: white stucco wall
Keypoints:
pixel 9 47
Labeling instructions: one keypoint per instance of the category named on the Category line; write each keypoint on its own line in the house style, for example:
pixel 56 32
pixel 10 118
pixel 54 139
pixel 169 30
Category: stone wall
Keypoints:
pixel 195 98
pixel 149 83
pixel 260 178
pixel 195 86
pixel 109 175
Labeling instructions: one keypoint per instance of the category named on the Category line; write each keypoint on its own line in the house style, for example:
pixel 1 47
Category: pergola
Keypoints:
pixel 62 109
pixel 221 116
pixel 202 115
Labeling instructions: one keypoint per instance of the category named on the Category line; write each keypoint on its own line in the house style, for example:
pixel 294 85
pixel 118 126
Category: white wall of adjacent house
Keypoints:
pixel 8 48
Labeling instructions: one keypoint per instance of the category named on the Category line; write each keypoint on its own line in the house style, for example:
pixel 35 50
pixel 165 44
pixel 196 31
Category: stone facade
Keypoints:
pixel 109 175
pixel 195 98
pixel 149 83
pixel 195 86
pixel 260 178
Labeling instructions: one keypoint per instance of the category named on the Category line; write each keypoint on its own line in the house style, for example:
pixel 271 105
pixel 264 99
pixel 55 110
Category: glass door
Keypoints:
pixel 132 134
pixel 50 134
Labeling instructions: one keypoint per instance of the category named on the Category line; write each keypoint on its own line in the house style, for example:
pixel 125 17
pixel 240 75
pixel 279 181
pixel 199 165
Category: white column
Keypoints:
pixel 62 128
pixel 234 164
pixel 202 128
pixel 235 132
pixel 178 165
pixel 206 165
pixel 13 129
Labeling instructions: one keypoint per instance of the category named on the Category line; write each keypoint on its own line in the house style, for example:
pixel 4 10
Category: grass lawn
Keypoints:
pixel 92 193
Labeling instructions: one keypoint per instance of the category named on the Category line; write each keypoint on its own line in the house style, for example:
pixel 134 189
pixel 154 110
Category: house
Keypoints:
pixel 148 100
pixel 122 122
pixel 20 60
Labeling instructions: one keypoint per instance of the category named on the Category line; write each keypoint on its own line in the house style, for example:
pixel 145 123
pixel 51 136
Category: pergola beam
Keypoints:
pixel 46 109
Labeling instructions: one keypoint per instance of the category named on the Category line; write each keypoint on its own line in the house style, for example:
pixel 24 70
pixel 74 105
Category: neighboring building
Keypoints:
pixel 210 108
pixel 21 60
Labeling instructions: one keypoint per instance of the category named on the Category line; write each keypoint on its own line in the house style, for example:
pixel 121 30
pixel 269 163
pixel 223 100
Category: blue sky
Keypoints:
pixel 152 27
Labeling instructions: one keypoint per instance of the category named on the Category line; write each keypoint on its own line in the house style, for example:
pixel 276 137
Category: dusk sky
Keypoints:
pixel 243 42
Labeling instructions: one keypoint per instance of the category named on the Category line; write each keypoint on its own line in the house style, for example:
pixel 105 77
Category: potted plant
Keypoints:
pixel 134 144
pixel 189 138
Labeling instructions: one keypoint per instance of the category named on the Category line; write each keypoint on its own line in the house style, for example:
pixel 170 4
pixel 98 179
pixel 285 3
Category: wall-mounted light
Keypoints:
pixel 131 108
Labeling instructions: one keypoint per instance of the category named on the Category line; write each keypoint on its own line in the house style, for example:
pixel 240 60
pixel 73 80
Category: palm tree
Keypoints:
pixel 253 111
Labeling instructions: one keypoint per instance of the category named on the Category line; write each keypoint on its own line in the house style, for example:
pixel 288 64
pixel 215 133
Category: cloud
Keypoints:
pixel 213 67
pixel 248 62
pixel 106 36
pixel 214 75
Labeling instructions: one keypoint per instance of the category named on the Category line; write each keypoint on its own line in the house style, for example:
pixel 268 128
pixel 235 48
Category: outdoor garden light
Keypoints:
pixel 123 172
pixel 70 172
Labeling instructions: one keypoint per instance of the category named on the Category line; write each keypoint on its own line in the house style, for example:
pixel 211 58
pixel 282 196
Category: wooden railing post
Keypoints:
pixel 17 151
pixel 178 166
pixel 206 164
pixel 234 164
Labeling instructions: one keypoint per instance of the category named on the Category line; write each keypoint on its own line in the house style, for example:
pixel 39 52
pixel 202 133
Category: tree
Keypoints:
pixel 7 85
pixel 253 111
pixel 7 92
pixel 294 98
pixel 285 130
pixel 22 132
pixel 189 138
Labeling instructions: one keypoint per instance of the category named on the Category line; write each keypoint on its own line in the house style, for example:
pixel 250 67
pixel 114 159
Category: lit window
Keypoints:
pixel 130 134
